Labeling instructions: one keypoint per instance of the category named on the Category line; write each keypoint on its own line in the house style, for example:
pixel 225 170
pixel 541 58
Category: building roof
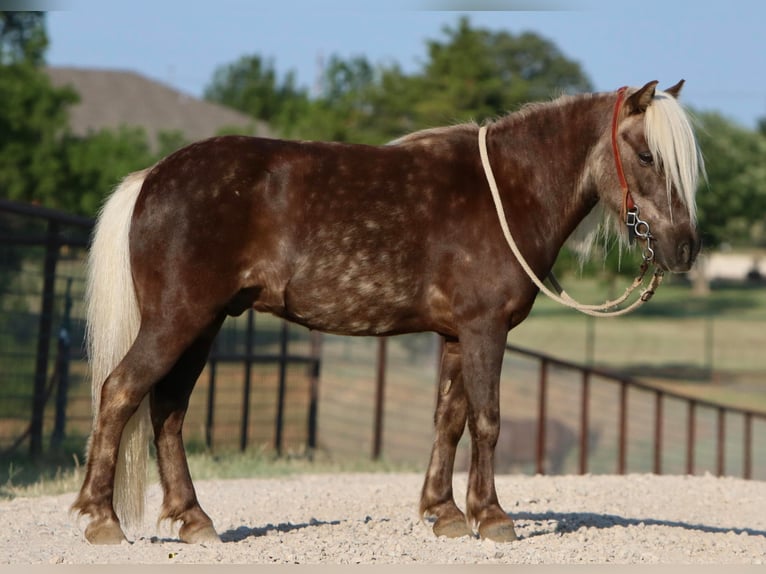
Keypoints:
pixel 113 98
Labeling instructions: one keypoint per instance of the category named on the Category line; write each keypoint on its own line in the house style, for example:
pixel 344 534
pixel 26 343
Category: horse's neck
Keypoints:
pixel 544 151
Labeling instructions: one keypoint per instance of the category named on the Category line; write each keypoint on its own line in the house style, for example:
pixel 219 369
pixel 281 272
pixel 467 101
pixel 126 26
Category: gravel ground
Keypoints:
pixel 372 519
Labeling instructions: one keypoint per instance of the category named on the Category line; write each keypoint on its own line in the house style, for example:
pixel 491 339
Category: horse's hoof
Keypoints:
pixel 452 528
pixel 498 531
pixel 104 532
pixel 204 535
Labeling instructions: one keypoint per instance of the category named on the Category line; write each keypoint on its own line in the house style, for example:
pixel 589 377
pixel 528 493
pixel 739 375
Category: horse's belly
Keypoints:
pixel 351 302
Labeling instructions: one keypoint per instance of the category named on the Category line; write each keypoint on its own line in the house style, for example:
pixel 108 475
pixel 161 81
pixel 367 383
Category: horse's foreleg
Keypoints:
pixel 483 348
pixel 169 402
pixel 437 499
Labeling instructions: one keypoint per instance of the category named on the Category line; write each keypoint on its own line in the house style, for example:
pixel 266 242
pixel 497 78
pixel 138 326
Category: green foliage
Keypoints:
pixel 41 161
pixel 470 74
pixel 22 38
pixel 350 107
pixel 33 113
pixel 251 85
pixel 95 163
pixel 167 143
pixel 731 207
pixel 477 73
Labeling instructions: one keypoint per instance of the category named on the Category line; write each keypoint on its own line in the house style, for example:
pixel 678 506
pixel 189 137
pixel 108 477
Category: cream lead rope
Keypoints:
pixel 603 310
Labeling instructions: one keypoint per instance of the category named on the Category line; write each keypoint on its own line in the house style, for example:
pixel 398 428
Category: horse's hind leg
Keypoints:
pixel 169 402
pixel 437 499
pixel 121 395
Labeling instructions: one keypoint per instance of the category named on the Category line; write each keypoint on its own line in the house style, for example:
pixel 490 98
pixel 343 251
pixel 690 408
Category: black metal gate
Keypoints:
pixel 44 391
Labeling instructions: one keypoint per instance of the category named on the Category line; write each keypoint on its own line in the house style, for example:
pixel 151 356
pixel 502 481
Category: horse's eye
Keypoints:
pixel 645 158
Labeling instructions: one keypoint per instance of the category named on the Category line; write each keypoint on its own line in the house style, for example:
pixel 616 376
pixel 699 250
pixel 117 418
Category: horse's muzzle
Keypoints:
pixel 682 258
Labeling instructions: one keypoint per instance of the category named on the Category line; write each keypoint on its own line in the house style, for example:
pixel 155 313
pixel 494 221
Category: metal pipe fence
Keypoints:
pixel 44 392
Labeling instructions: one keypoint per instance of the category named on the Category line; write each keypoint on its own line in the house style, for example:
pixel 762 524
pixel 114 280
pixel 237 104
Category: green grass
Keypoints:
pixel 264 464
pixel 57 475
pixel 724 331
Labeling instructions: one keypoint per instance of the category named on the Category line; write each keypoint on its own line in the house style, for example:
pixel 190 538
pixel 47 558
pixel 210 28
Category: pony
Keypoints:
pixel 367 241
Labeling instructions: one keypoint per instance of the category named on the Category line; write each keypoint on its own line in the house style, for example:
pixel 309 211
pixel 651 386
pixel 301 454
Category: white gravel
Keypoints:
pixel 372 519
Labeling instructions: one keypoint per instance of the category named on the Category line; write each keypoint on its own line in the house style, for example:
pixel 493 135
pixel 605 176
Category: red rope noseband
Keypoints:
pixel 627 198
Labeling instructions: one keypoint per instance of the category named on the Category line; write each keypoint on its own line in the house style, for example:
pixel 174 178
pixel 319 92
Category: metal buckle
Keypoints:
pixel 637 227
pixel 630 220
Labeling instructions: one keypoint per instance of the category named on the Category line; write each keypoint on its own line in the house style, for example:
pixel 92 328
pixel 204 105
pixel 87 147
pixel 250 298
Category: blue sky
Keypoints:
pixel 718 47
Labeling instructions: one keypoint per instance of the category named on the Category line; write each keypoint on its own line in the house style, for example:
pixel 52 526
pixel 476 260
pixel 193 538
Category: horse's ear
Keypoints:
pixel 675 90
pixel 640 100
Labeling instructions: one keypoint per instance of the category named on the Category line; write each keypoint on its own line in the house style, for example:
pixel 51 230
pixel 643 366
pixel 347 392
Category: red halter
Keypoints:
pixel 636 226
pixel 627 198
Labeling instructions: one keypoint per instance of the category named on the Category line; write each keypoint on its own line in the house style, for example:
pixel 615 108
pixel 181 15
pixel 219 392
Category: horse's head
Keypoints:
pixel 649 166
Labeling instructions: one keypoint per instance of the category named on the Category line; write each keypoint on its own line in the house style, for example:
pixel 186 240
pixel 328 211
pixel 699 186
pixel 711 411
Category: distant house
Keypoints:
pixel 734 266
pixel 111 98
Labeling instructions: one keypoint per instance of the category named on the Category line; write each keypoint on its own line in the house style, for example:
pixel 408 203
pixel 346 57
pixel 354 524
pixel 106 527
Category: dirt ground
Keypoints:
pixel 372 519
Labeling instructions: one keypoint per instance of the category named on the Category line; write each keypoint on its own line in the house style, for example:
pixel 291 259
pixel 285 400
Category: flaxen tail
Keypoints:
pixel 113 321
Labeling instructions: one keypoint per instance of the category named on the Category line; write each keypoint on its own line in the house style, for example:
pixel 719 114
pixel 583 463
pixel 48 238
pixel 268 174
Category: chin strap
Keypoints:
pixel 628 204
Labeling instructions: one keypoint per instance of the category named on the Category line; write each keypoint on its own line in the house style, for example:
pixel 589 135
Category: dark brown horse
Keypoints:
pixel 359 240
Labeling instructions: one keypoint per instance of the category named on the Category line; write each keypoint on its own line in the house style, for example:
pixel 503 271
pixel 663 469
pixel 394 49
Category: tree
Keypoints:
pixel 33 113
pixel 346 108
pixel 41 161
pixel 732 204
pixel 478 73
pixel 22 37
pixel 94 164
pixel 469 74
pixel 251 85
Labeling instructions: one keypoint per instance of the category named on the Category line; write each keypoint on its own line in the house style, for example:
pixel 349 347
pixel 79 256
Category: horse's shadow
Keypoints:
pixel 243 532
pixel 567 522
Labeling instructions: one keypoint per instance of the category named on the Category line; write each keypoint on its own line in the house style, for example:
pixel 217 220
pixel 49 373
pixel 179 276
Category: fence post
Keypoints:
pixel 658 432
pixel 43 340
pixel 210 416
pixel 690 432
pixel 542 407
pixel 709 347
pixel 248 374
pixel 315 338
pixel 281 388
pixel 721 442
pixel 623 431
pixel 62 369
pixel 747 471
pixel 377 443
pixel 584 422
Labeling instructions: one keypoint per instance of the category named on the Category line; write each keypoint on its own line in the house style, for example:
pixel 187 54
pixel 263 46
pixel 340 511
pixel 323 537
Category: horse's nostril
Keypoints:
pixel 685 253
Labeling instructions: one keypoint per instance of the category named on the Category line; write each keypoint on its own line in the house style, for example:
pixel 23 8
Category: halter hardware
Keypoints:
pixel 637 227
